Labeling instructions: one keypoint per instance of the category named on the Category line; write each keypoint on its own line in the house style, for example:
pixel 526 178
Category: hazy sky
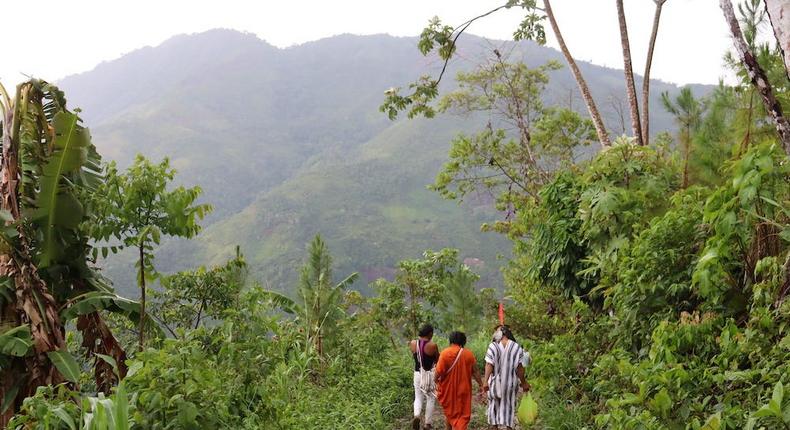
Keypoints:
pixel 73 36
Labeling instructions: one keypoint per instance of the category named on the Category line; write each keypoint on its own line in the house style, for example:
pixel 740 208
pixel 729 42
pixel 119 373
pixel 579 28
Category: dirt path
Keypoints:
pixel 478 418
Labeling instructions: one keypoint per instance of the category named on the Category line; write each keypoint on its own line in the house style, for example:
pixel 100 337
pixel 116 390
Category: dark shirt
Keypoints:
pixel 427 361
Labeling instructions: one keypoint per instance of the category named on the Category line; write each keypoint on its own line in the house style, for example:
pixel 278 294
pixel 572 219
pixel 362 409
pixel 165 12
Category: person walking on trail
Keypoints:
pixel 454 372
pixel 425 354
pixel 503 375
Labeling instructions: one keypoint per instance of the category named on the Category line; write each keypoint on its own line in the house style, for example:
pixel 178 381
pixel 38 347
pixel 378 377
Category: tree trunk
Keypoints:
pixel 779 15
pixel 413 311
pixel 142 296
pixel 686 157
pixel 630 87
pixel 600 128
pixel 646 81
pixel 757 76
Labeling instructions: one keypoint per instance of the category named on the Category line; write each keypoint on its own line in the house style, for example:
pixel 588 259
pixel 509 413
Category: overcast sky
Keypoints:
pixel 51 39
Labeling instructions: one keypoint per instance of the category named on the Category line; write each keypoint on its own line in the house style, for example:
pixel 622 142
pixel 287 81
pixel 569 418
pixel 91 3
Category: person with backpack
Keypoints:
pixel 504 374
pixel 454 372
pixel 425 354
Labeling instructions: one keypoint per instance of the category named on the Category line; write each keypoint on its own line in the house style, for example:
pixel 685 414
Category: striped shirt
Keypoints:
pixel 505 359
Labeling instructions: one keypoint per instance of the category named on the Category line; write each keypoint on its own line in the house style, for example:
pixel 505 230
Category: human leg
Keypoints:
pixel 430 407
pixel 419 397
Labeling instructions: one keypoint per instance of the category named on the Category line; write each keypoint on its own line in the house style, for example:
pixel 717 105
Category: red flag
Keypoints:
pixel 501 314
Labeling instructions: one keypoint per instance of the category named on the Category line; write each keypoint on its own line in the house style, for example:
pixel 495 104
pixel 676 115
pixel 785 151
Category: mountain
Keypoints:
pixel 287 143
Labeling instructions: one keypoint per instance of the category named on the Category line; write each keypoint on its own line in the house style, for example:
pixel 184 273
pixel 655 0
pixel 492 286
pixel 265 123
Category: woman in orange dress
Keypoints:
pixel 454 372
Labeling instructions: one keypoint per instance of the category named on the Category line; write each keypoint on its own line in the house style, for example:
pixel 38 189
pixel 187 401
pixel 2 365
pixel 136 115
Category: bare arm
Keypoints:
pixel 487 376
pixel 520 374
pixel 476 376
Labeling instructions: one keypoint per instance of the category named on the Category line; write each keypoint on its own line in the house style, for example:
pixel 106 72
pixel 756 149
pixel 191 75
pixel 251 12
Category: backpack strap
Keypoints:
pixel 419 354
pixel 457 357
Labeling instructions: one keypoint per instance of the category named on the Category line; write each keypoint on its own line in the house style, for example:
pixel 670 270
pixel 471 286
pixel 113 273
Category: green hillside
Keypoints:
pixel 287 143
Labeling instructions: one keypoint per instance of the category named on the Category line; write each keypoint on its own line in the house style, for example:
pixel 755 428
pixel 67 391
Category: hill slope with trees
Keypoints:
pixel 260 128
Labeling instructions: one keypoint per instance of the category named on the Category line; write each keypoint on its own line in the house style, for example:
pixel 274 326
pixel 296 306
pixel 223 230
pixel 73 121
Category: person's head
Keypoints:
pixel 426 331
pixel 458 338
pixel 497 336
pixel 508 334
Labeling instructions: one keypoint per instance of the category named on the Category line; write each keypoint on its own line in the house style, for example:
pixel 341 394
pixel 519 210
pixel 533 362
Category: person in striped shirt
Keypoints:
pixel 504 374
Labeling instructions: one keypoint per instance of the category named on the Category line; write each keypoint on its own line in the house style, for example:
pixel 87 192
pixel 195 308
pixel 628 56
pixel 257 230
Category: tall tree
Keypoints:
pixel 688 116
pixel 757 76
pixel 136 208
pixel 630 88
pixel 646 79
pixel 592 108
pixel 462 308
pixel 523 142
pixel 319 304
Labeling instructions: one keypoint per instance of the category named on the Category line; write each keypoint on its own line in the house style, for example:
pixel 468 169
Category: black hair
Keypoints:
pixel 426 330
pixel 458 338
pixel 508 334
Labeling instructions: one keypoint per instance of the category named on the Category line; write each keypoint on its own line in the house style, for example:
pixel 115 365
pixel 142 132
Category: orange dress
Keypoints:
pixel 455 388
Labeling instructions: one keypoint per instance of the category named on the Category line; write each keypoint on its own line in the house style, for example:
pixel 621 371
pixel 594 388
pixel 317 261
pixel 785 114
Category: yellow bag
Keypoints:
pixel 527 410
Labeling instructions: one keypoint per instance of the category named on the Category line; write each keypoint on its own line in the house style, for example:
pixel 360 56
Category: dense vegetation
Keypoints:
pixel 649 281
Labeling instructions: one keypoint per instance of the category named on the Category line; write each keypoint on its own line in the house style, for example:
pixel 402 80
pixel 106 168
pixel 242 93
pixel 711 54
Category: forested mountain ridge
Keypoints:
pixel 289 142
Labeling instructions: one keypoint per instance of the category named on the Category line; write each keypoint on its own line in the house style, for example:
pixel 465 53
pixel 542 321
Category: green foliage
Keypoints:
pixel 688 113
pixel 318 308
pixel 442 39
pixel 66 365
pixel 748 218
pixel 60 408
pixel 462 308
pixel 715 139
pixel 692 332
pixel 654 275
pixel 16 341
pixel 512 168
pixel 187 299
pixel 248 371
pixel 135 208
pixel 552 255
pixel 59 210
pixel 436 289
pixel 776 411
pixel 408 302
pixel 52 167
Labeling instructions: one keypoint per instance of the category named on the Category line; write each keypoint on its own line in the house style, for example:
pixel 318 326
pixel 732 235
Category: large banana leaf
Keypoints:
pixel 98 301
pixel 66 364
pixel 94 301
pixel 284 303
pixel 57 205
pixel 16 342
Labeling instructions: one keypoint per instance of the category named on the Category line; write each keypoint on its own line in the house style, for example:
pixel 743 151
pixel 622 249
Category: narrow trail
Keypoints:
pixel 478 418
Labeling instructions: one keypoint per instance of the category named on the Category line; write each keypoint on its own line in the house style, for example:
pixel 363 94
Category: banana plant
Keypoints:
pixel 48 170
